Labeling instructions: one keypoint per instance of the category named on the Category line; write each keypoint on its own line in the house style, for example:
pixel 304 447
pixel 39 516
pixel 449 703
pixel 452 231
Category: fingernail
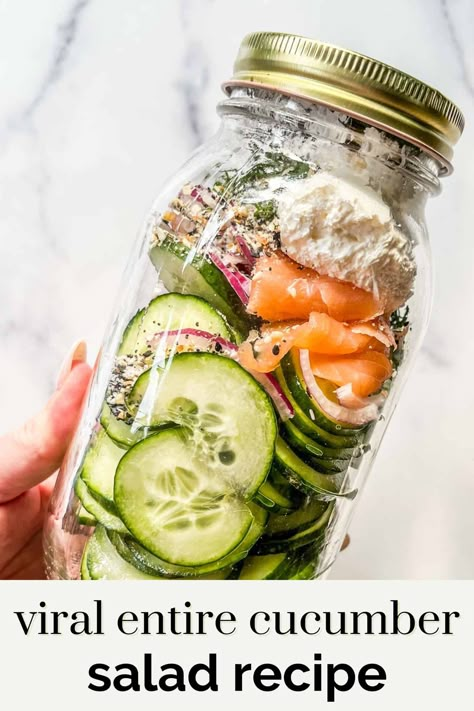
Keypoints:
pixel 77 354
pixel 346 542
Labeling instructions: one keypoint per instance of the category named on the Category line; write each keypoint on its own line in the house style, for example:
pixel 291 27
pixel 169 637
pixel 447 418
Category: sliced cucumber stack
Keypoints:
pixel 84 518
pixel 144 560
pixel 168 313
pixel 165 314
pixel 310 427
pixel 184 271
pixel 314 452
pixel 284 527
pixel 277 495
pixel 304 563
pixel 297 564
pixel 98 470
pixel 306 527
pixel 323 458
pixel 263 567
pixel 292 372
pixel 119 431
pixel 229 417
pixel 305 477
pixel 97 510
pixel 84 569
pixel 100 561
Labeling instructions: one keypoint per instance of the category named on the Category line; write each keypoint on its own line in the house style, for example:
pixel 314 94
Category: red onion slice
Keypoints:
pixel 344 415
pixel 348 398
pixel 204 196
pixel 203 341
pixel 272 386
pixel 245 249
pixel 238 281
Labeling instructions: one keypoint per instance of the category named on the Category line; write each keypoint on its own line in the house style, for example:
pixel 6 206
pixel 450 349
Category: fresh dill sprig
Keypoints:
pixel 265 211
pixel 399 319
pixel 271 165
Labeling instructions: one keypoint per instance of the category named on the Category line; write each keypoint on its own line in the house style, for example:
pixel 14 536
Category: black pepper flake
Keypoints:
pixel 218 347
pixel 276 350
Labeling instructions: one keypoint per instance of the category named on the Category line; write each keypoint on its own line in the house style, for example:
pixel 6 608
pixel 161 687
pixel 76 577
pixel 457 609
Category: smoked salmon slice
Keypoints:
pixel 283 290
pixel 263 353
pixel 365 371
pixel 321 334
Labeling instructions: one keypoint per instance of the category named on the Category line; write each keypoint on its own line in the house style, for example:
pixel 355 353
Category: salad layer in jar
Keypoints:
pixel 243 395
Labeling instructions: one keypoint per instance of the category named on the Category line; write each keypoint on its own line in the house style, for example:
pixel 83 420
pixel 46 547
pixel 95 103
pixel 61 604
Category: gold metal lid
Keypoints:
pixel 353 83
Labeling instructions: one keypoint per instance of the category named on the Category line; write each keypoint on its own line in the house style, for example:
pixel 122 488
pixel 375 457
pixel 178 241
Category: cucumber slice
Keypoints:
pixel 84 572
pixel 121 433
pixel 183 271
pixel 297 564
pixel 306 478
pixel 229 417
pixel 170 312
pixel 310 427
pixel 305 571
pixel 138 556
pixel 85 518
pixel 292 372
pixel 263 567
pixel 305 534
pixel 175 505
pixel 104 563
pixel 304 564
pixel 323 458
pixel 275 497
pixel 312 532
pixel 98 470
pixel 287 526
pixel 94 507
pixel 121 544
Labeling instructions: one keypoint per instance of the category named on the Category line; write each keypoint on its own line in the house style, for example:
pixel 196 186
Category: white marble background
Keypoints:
pixel 100 100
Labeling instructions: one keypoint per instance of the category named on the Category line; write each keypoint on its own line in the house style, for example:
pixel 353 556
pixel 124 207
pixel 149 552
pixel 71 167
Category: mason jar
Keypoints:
pixel 267 321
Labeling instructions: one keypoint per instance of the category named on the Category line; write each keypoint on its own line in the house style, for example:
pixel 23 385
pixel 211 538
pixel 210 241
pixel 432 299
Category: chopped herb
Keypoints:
pixel 396 357
pixel 265 211
pixel 274 164
pixel 399 324
pixel 399 319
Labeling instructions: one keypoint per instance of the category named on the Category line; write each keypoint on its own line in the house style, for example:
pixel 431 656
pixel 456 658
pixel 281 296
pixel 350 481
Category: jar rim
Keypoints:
pixel 360 86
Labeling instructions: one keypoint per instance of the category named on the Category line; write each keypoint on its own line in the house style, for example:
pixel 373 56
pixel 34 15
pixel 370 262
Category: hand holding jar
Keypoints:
pixel 29 457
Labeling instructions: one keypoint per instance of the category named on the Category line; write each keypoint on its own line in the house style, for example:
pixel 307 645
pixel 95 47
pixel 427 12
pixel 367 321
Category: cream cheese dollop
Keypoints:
pixel 345 230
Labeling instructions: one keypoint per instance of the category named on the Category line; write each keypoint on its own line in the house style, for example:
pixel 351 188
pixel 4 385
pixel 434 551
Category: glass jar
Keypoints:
pixel 266 324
